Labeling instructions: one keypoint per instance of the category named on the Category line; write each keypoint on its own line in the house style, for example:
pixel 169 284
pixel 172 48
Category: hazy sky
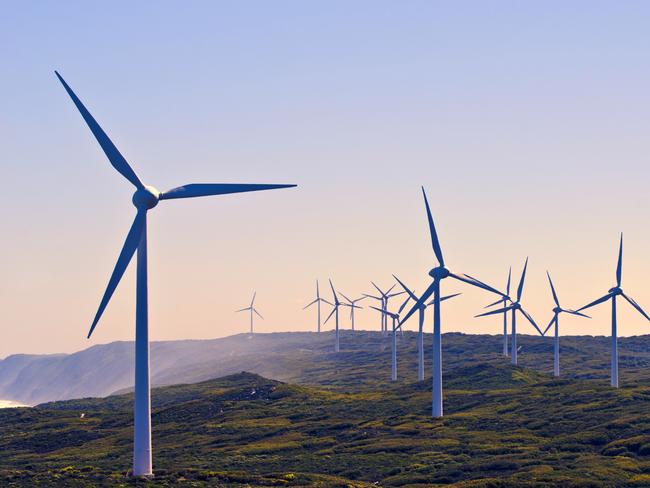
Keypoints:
pixel 527 122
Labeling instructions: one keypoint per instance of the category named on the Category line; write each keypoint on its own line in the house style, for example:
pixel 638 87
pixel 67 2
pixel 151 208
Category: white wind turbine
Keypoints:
pixel 352 304
pixel 144 199
pixel 335 311
pixel 251 308
pixel 317 302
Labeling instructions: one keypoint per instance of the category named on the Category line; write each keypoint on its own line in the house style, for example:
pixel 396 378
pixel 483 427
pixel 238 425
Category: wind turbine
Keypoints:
pixel 352 304
pixel 612 294
pixel 515 306
pixel 251 308
pixel 383 297
pixel 396 325
pixel 145 198
pixel 439 273
pixel 335 311
pixel 317 302
pixel 421 310
pixel 556 312
pixel 504 300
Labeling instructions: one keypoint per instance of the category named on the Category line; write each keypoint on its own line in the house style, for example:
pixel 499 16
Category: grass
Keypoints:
pixel 345 425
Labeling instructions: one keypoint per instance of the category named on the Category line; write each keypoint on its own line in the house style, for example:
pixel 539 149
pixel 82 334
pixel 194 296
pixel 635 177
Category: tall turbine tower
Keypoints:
pixel 515 306
pixel 335 311
pixel 556 340
pixel 251 308
pixel 421 310
pixel 352 304
pixel 611 295
pixel 317 301
pixel 438 274
pixel 145 198
pixel 504 301
pixel 396 325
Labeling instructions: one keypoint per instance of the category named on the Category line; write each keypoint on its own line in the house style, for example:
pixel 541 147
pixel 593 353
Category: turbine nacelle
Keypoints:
pixel 439 273
pixel 146 197
pixel 516 306
pixel 616 290
pixel 557 310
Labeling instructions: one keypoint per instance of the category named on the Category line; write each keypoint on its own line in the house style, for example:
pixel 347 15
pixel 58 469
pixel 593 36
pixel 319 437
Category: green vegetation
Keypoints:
pixel 346 425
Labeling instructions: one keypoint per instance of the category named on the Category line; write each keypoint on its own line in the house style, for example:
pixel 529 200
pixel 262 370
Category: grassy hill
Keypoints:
pixel 345 425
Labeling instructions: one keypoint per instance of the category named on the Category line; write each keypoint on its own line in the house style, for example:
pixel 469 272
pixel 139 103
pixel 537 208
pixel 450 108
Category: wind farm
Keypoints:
pixel 426 307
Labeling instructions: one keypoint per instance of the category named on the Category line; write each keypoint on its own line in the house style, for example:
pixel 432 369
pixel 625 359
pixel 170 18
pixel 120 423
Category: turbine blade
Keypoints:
pixel 331 313
pixel 253 300
pixel 427 293
pixel 391 288
pixel 345 297
pixel 596 302
pixel 473 281
pixel 243 309
pixel 520 288
pixel 435 243
pixel 116 159
pixel 372 296
pixel 378 289
pixel 326 301
pixel 619 265
pixel 530 319
pixel 557 302
pixel 336 298
pixel 258 314
pixel 573 312
pixel 310 304
pixel 500 300
pixel 395 294
pixel 636 305
pixel 450 296
pixel 401 307
pixel 128 249
pixel 317 291
pixel 509 276
pixel 494 312
pixel 209 189
pixel 406 289
pixel 549 324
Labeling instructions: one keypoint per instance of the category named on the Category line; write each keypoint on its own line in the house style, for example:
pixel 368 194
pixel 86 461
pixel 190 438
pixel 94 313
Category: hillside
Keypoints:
pixel 245 430
pixel 297 357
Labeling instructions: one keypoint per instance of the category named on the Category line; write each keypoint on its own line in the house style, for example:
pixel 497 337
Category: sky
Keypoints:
pixel 527 122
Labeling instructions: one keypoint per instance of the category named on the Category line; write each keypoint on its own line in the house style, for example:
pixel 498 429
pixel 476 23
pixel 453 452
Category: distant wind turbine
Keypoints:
pixel 317 301
pixel 352 304
pixel 421 310
pixel 438 274
pixel 145 198
pixel 335 312
pixel 611 295
pixel 555 320
pixel 515 306
pixel 504 300
pixel 383 298
pixel 251 308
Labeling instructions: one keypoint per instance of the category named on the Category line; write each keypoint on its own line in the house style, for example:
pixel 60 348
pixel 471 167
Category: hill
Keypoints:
pixel 504 427
pixel 297 357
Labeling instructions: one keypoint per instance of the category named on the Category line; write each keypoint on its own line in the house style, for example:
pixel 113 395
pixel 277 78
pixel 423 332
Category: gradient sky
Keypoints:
pixel 527 122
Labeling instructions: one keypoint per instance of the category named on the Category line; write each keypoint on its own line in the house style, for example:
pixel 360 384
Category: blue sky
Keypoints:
pixel 526 121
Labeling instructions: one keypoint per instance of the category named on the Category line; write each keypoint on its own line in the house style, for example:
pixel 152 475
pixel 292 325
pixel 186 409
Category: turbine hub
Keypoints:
pixel 439 273
pixel 146 197
pixel 616 290
pixel 516 305
pixel 557 310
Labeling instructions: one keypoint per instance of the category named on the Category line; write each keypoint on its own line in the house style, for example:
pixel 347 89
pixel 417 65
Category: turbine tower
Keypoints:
pixel 251 308
pixel 335 311
pixel 439 273
pixel 317 301
pixel 421 310
pixel 352 304
pixel 611 295
pixel 145 198
pixel 556 312
pixel 515 306
pixel 504 301
pixel 396 325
